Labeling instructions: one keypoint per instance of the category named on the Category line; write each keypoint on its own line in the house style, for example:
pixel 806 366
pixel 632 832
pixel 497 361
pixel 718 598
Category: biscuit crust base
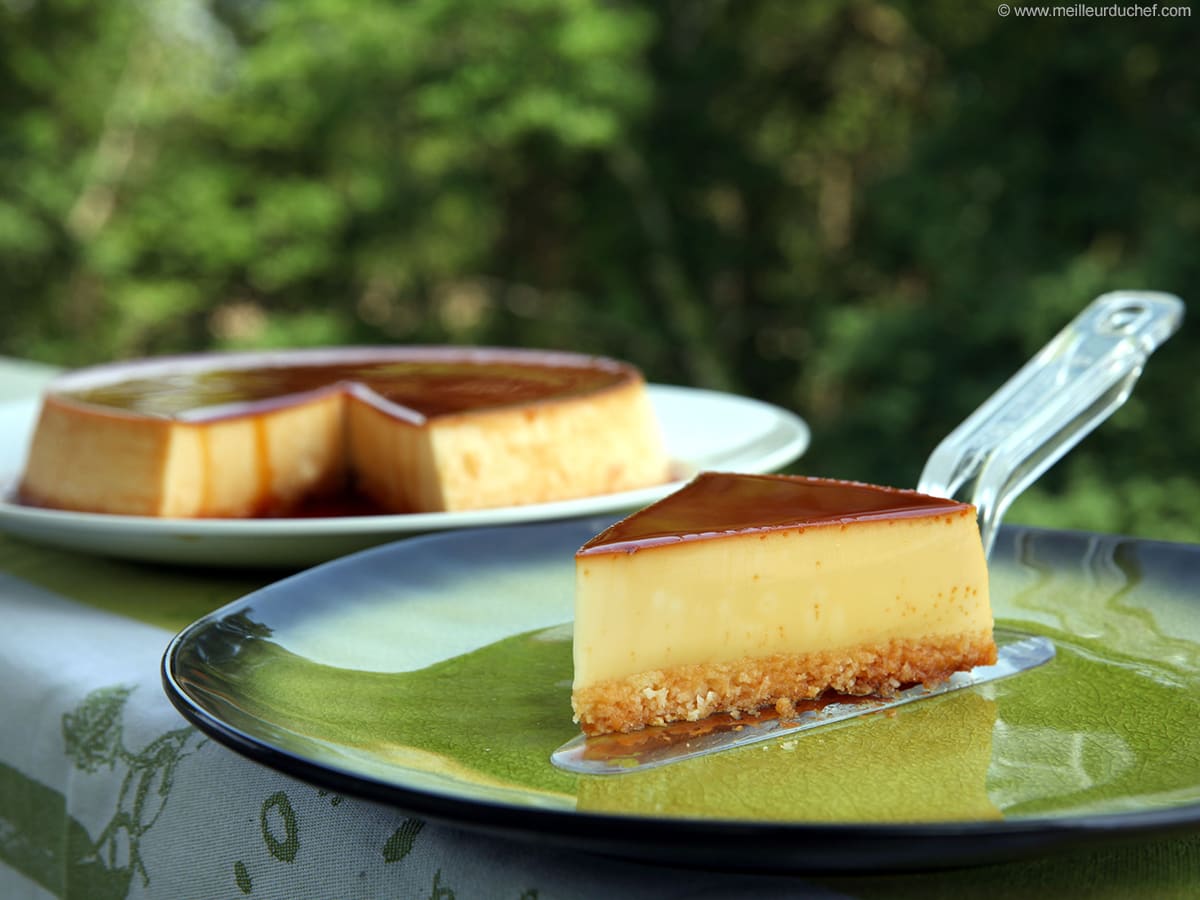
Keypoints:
pixel 692 692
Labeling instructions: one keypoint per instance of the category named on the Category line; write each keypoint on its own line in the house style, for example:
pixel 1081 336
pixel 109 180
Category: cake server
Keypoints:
pixel 1073 384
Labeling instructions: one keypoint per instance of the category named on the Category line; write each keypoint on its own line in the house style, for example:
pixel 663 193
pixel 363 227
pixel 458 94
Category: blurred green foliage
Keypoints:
pixel 869 212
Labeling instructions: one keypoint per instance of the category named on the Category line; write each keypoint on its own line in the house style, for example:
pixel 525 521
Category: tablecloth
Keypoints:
pixel 106 791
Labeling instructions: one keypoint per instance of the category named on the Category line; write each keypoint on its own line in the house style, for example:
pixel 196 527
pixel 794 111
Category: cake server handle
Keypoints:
pixel 1072 385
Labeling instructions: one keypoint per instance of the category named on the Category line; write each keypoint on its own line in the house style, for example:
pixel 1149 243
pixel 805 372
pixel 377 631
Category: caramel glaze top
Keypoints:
pixel 417 382
pixel 717 504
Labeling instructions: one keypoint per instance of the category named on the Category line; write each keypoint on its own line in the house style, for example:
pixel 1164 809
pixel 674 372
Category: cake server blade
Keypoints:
pixel 613 754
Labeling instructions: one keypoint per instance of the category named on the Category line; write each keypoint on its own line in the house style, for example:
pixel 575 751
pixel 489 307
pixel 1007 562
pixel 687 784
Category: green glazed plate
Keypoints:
pixel 434 674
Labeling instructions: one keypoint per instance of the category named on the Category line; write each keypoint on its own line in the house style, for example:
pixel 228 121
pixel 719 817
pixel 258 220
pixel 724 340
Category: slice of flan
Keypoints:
pixel 412 429
pixel 739 592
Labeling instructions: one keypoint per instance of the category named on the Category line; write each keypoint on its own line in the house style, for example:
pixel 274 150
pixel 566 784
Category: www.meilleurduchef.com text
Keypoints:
pixel 1087 11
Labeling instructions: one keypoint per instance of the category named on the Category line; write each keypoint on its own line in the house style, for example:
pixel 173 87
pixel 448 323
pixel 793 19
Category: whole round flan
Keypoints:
pixel 410 429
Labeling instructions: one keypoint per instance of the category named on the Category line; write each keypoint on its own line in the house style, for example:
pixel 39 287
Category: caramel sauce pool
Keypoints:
pixel 430 386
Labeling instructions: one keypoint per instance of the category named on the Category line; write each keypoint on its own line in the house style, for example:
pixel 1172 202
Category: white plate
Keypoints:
pixel 703 430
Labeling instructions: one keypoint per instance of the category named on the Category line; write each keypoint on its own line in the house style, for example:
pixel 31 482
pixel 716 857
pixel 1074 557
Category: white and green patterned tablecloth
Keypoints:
pixel 106 792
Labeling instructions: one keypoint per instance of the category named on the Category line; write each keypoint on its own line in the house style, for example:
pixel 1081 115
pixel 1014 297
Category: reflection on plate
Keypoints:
pixel 703 430
pixel 435 674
